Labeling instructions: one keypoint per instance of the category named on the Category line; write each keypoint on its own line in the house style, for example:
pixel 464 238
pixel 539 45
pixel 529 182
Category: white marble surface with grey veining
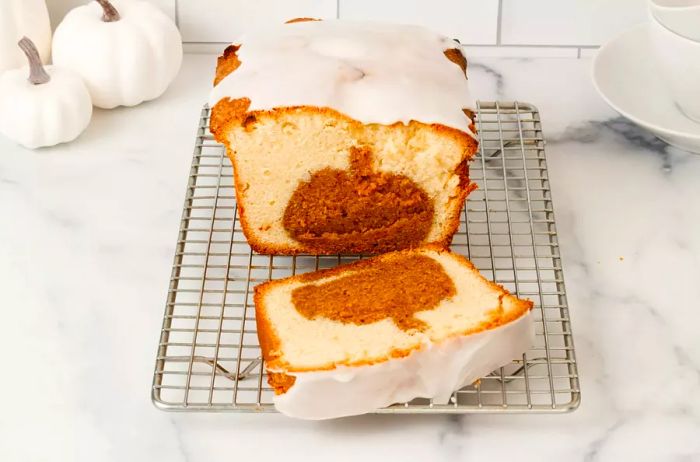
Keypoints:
pixel 87 234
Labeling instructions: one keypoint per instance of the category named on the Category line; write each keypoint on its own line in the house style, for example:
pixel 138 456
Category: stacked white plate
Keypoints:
pixel 627 77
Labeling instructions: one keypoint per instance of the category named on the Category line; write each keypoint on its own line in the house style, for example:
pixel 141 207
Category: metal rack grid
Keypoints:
pixel 208 357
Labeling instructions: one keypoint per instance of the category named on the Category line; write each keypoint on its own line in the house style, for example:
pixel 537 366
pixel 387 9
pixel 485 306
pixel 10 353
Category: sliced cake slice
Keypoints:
pixel 407 324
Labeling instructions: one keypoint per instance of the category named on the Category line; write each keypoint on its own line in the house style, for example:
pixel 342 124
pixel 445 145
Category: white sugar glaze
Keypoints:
pixel 434 372
pixel 370 71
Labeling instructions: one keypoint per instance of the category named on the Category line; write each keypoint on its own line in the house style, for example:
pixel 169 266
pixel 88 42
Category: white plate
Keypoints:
pixel 624 75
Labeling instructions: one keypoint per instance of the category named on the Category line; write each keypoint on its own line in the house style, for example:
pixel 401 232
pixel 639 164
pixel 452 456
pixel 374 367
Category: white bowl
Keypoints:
pixel 627 80
pixel 679 16
pixel 678 62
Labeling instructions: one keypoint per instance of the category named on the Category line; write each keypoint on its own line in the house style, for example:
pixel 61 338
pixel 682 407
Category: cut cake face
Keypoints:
pixel 346 137
pixel 416 323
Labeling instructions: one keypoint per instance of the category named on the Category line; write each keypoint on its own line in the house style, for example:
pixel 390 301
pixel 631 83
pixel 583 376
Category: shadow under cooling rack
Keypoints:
pixel 209 359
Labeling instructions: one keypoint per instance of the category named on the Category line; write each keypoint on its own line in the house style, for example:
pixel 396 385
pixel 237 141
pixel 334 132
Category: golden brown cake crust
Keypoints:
pixel 455 55
pixel 280 382
pixel 270 343
pixel 292 21
pixel 227 63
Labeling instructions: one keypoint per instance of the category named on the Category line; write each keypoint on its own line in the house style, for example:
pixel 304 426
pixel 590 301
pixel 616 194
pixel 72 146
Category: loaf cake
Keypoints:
pixel 414 323
pixel 345 136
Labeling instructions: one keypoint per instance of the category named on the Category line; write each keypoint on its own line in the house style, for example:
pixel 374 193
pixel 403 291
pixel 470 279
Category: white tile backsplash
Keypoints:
pixel 588 52
pixel 59 8
pixel 168 6
pixel 506 27
pixel 224 20
pixel 568 22
pixel 476 51
pixel 471 21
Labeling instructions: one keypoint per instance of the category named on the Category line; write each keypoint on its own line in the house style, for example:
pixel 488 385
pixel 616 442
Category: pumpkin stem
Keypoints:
pixel 110 14
pixel 37 73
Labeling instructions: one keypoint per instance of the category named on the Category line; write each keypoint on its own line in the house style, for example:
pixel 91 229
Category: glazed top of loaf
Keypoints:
pixel 373 72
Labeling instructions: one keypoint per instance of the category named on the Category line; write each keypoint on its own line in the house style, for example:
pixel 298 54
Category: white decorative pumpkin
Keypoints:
pixel 127 51
pixel 51 106
pixel 20 18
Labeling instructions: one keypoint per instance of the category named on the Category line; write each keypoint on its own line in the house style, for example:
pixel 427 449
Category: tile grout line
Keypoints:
pixel 177 14
pixel 499 19
pixel 578 53
pixel 476 45
pixel 529 45
pixel 337 9
pixel 519 52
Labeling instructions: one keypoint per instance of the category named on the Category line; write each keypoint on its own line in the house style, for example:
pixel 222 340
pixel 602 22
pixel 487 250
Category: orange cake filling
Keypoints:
pixel 358 210
pixel 396 289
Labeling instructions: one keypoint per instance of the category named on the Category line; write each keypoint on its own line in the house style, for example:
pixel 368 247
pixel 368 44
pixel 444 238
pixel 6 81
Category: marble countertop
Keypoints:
pixel 87 237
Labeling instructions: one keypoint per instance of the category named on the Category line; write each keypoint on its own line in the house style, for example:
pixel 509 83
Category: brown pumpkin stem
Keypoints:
pixel 37 73
pixel 110 14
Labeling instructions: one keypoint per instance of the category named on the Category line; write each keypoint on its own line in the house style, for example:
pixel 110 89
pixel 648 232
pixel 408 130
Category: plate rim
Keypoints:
pixel 638 28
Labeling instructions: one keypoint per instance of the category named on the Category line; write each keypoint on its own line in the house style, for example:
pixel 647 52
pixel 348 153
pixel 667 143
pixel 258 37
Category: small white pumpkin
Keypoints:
pixel 51 106
pixel 127 52
pixel 23 18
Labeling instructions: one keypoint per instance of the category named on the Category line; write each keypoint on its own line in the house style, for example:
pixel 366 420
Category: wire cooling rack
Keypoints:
pixel 209 358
